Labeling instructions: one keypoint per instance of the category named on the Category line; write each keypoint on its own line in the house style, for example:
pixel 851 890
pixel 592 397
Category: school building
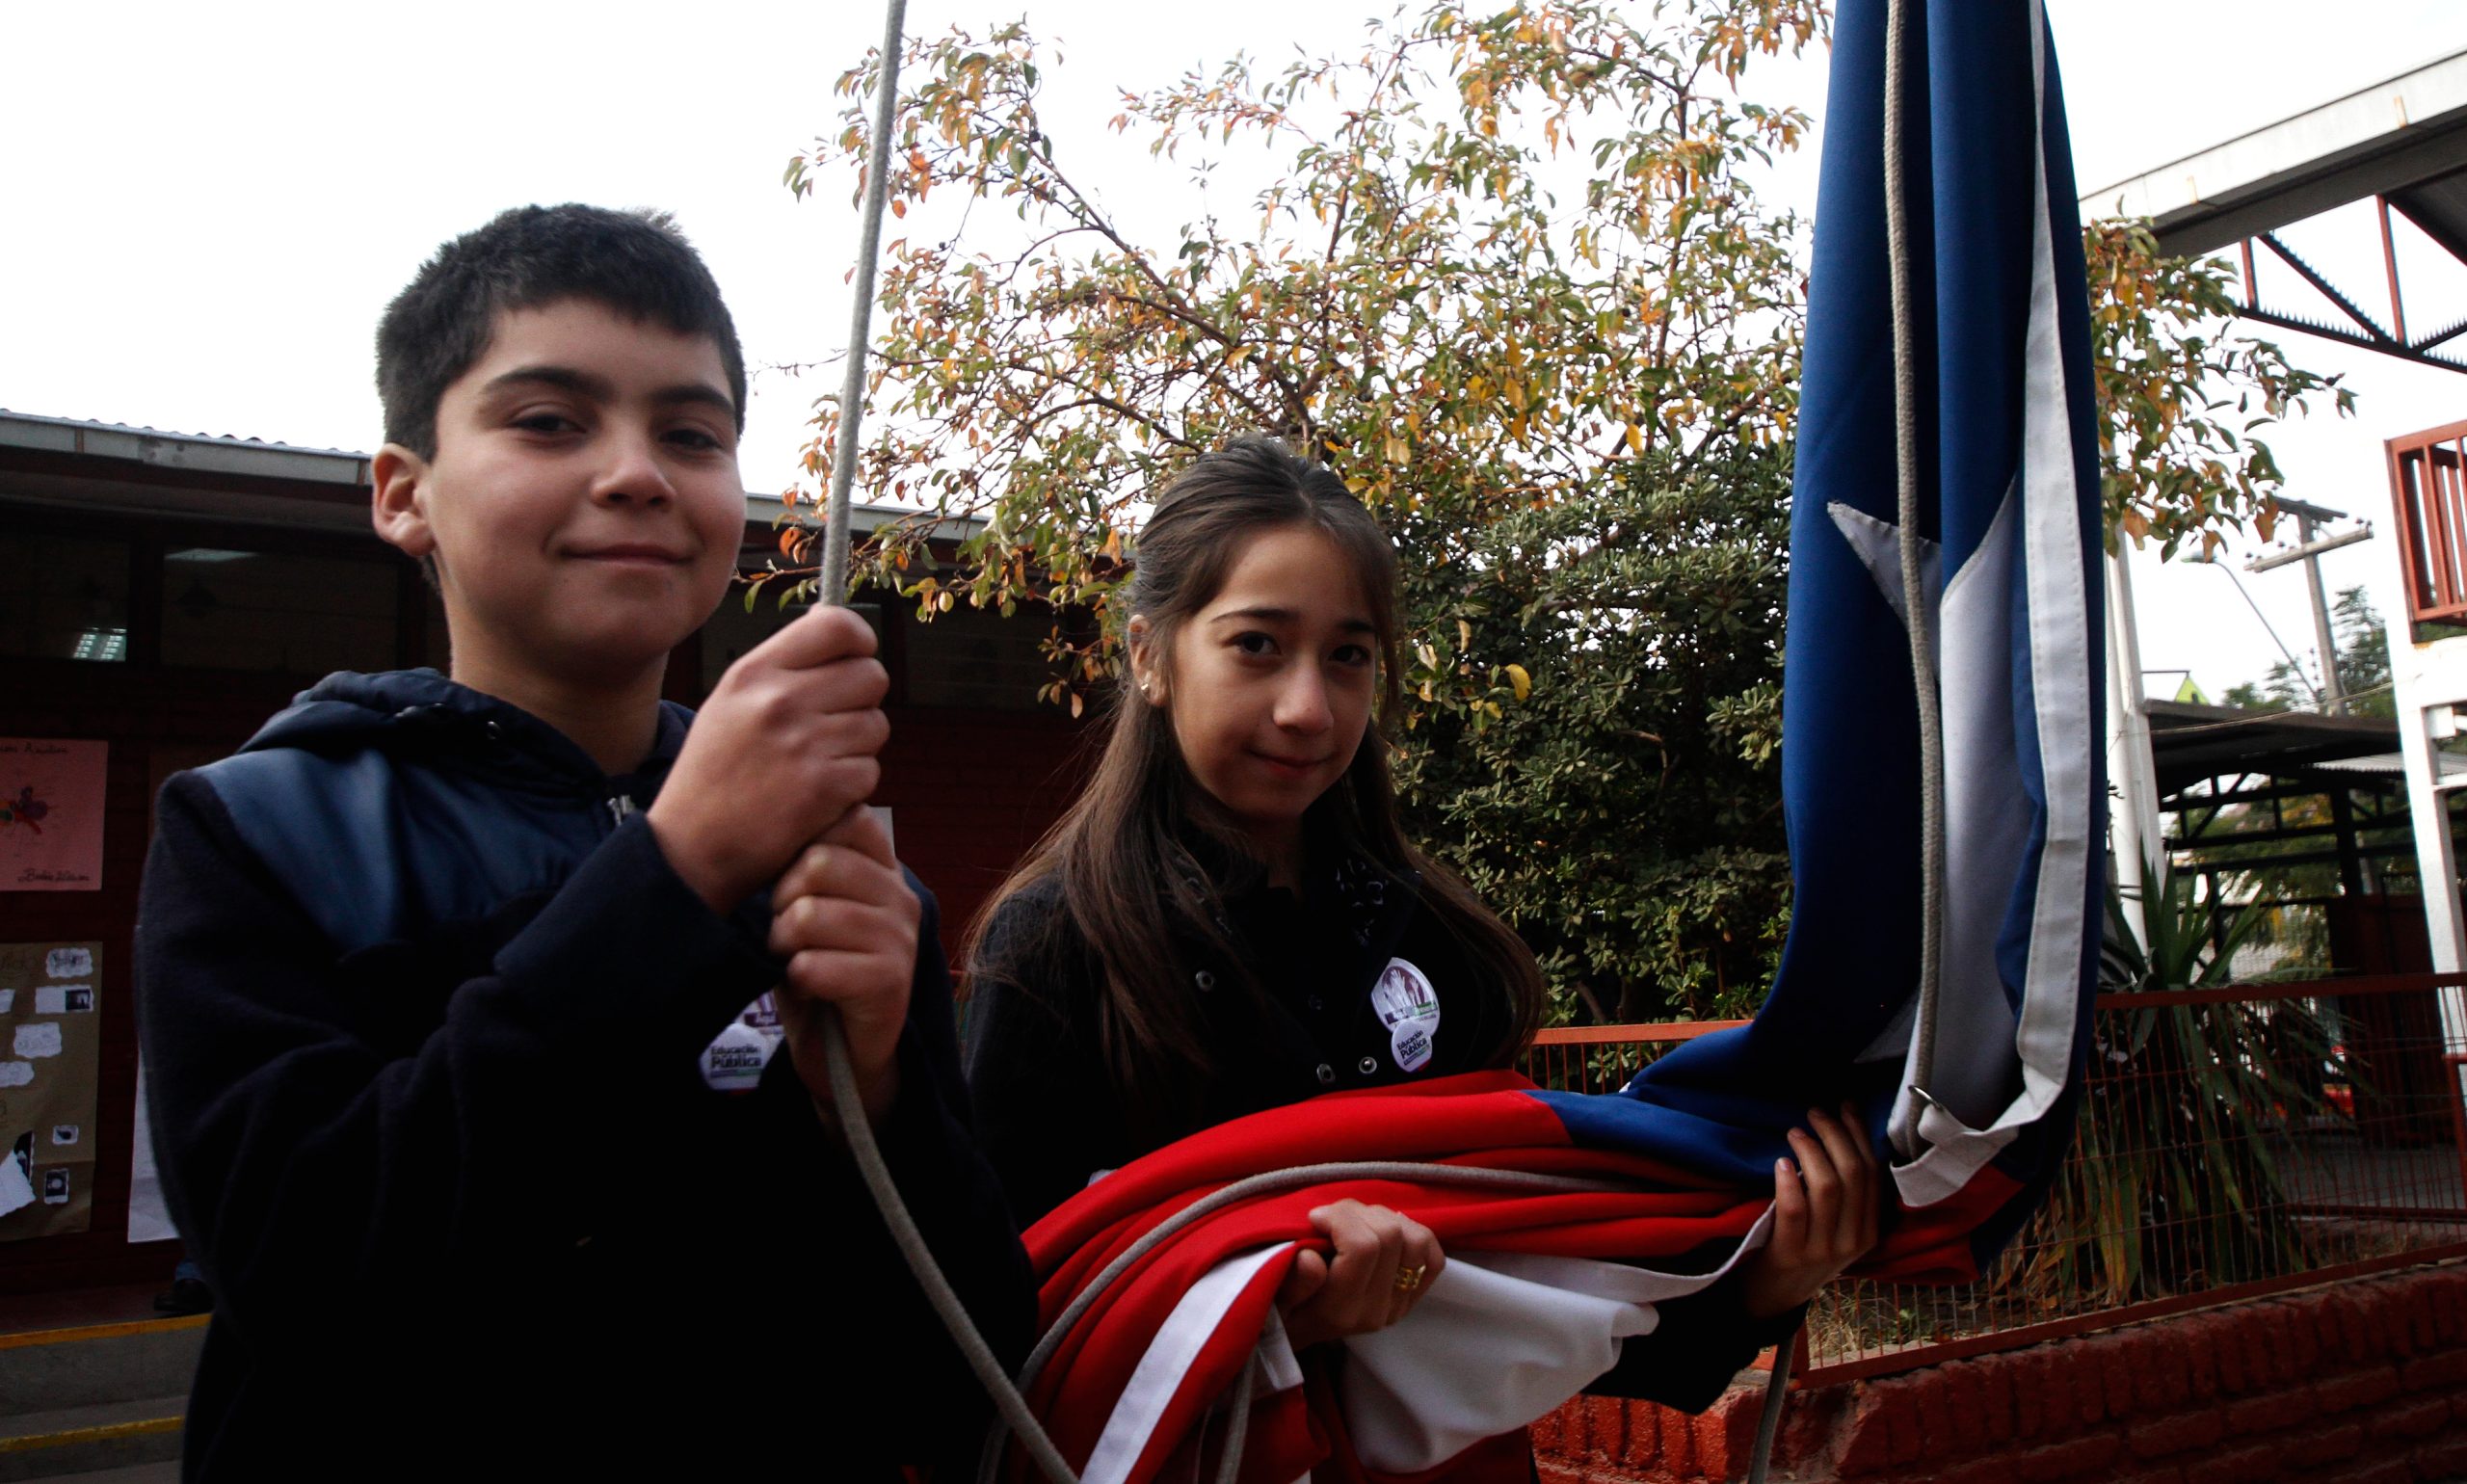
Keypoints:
pixel 162 594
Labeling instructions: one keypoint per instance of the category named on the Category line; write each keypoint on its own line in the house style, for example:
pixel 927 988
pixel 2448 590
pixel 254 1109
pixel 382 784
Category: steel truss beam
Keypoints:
pixel 2367 332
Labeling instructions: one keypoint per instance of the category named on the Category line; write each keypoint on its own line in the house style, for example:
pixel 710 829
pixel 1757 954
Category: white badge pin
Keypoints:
pixel 1409 1007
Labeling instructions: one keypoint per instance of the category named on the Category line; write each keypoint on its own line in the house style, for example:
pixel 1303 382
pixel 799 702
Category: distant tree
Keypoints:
pixel 2363 660
pixel 2364 654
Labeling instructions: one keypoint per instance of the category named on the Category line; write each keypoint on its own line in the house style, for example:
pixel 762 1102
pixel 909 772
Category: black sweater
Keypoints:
pixel 422 1008
pixel 1296 1018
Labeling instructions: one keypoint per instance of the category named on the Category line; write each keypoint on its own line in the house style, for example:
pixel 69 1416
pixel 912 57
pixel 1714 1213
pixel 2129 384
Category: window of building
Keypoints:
pixel 732 631
pixel 227 609
pixel 64 598
pixel 977 657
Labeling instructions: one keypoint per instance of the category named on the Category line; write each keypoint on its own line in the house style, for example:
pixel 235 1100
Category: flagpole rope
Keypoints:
pixel 833 584
pixel 837 520
pixel 1921 620
pixel 1916 598
pixel 1014 1417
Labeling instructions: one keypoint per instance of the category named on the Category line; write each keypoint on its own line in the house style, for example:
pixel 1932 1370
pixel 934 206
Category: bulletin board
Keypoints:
pixel 50 1053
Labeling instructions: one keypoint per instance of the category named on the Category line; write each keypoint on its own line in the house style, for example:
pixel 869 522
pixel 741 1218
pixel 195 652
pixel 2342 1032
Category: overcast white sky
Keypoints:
pixel 211 204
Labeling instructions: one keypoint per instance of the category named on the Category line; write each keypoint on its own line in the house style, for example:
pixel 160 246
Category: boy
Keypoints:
pixel 428 965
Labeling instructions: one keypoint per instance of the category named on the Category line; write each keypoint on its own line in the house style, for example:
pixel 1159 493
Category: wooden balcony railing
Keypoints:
pixel 2427 487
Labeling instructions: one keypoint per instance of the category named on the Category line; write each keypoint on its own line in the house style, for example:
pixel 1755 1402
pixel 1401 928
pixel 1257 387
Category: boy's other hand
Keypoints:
pixel 1824 1214
pixel 782 749
pixel 1382 1261
pixel 845 924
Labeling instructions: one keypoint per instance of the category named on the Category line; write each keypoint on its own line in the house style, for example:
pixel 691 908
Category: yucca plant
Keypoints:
pixel 2177 1187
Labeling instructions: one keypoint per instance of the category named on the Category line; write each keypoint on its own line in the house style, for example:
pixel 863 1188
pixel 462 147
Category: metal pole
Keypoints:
pixel 2390 263
pixel 2135 826
pixel 2334 700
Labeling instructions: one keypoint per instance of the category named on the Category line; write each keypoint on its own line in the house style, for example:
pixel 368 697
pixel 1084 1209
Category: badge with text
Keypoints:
pixel 1409 1008
pixel 734 1062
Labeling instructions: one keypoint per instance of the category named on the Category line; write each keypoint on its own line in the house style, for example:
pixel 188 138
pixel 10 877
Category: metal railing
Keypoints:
pixel 1606 1058
pixel 2233 1143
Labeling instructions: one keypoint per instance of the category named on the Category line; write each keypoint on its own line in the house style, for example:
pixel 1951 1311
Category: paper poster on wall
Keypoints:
pixel 50 1053
pixel 51 814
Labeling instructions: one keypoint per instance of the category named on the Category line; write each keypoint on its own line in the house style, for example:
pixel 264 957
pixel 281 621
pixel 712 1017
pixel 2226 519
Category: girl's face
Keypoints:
pixel 1269 685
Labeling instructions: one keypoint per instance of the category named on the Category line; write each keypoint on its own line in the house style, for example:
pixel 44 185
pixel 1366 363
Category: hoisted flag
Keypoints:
pixel 2004 462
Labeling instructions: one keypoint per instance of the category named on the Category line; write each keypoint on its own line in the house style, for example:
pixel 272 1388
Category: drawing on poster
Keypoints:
pixel 25 811
pixel 16 1191
pixel 68 964
pixel 63 1133
pixel 42 1038
pixel 51 814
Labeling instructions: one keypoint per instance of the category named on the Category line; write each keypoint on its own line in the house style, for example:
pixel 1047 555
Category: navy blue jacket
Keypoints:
pixel 423 1006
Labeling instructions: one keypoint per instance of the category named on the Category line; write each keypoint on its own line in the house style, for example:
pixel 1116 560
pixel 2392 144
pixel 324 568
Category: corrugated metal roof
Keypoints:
pixel 203 453
pixel 2381 140
pixel 2190 742
pixel 2393 764
pixel 7 417
pixel 208 453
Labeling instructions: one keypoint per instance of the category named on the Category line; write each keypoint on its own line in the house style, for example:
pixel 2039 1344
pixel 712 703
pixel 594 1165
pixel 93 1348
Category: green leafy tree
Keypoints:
pixel 2184 394
pixel 1630 809
pixel 1511 280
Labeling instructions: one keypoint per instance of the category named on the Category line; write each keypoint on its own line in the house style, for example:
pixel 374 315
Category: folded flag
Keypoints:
pixel 1944 645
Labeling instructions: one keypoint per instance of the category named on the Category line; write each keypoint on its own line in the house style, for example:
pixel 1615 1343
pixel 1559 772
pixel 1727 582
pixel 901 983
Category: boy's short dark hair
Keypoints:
pixel 634 262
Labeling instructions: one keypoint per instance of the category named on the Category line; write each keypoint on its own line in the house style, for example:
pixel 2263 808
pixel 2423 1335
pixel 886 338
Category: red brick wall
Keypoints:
pixel 2362 1382
pixel 970 791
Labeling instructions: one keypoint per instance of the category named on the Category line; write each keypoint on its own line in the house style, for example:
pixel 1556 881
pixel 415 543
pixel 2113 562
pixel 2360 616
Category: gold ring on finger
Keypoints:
pixel 1409 1278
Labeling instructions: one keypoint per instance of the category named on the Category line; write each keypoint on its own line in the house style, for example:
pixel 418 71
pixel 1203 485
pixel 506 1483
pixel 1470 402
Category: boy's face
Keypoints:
pixel 584 505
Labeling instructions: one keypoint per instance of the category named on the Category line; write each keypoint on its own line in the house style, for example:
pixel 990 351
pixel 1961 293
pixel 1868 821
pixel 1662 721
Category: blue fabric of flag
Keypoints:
pixel 2009 514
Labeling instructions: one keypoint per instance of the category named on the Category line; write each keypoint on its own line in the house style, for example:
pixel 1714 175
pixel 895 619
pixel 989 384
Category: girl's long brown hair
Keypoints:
pixel 1122 852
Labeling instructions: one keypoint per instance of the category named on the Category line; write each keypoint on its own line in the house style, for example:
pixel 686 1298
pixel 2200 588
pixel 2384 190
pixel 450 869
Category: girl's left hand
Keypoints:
pixel 1383 1261
pixel 1824 1214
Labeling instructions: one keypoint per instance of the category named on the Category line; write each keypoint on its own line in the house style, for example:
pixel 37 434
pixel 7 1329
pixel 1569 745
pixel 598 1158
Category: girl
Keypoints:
pixel 1230 920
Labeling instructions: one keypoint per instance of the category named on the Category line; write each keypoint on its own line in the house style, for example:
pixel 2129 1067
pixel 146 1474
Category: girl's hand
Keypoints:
pixel 1824 1214
pixel 845 923
pixel 1384 1261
